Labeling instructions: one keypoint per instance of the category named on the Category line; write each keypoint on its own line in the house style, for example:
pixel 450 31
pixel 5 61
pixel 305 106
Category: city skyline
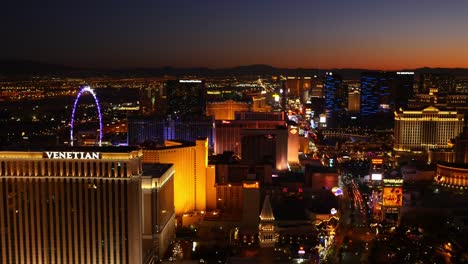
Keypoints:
pixel 332 34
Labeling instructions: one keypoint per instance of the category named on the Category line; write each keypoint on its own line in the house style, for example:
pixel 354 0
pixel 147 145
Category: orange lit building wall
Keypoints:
pixel 293 146
pixel 158 210
pixel 225 110
pixel 452 176
pixel 259 104
pixel 354 102
pixel 211 188
pixel 296 85
pixel 190 164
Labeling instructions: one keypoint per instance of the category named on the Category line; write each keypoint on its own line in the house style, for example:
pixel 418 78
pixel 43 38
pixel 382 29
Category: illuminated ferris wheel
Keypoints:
pixel 85 89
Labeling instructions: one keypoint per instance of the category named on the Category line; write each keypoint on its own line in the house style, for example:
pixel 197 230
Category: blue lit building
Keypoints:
pixel 375 93
pixel 335 96
pixel 385 91
pixel 141 129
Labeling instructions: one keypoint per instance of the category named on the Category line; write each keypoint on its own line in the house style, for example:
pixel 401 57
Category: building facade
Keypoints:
pixel 297 85
pixel 375 93
pixel 225 110
pixel 141 129
pixel 266 146
pixel 191 163
pixel 452 175
pixel 426 129
pixel 335 97
pixel 228 133
pixel 72 206
pixel 230 179
pixel 354 102
pixel 186 99
pixel 158 210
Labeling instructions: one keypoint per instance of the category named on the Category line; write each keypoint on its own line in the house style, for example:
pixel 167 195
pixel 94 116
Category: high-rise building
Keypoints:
pixel 225 110
pixel 250 204
pixel 456 102
pixel 230 179
pixel 266 146
pixel 228 133
pixel 141 129
pixel 335 96
pixel 401 89
pixel 317 89
pixel 152 99
pixel 190 162
pixel 297 85
pixel 440 82
pixel 354 102
pixel 273 116
pixel 375 93
pixel 83 205
pixel 426 129
pixel 158 227
pixel 191 130
pixel 186 99
pixel 385 91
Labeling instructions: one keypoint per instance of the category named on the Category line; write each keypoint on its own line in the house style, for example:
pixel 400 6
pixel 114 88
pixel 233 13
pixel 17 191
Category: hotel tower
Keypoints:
pixel 426 129
pixel 83 205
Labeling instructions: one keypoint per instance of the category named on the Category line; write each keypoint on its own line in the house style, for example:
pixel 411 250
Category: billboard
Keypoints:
pixel 393 182
pixel 376 176
pixel 392 196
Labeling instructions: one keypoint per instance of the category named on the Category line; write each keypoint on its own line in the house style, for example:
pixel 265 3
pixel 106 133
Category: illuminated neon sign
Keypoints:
pixel 190 81
pixel 405 73
pixel 71 155
pixel 393 182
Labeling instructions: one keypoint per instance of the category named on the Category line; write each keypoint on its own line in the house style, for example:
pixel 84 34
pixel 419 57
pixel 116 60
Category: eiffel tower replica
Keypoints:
pixel 267 229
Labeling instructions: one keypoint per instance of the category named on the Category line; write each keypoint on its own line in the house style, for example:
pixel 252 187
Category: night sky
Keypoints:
pixel 373 34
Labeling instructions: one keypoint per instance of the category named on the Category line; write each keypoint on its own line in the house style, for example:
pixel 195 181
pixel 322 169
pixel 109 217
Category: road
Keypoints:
pixel 353 237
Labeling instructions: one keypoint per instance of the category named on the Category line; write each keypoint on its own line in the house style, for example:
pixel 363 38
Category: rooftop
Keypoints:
pixel 267 212
pixel 156 170
pixel 33 148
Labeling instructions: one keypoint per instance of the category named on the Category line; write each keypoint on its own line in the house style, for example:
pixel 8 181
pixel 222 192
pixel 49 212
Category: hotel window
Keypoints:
pixel 106 169
pixel 83 168
pixel 76 169
pixel 113 170
pixel 88 169
pixel 93 169
pixel 119 169
pixel 52 168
